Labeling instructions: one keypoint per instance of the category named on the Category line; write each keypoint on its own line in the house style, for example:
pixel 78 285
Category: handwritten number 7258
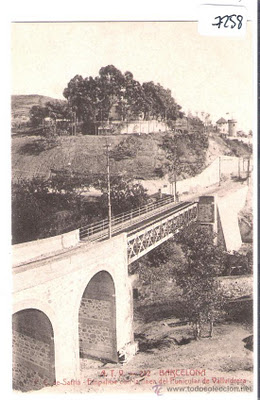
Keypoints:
pixel 229 21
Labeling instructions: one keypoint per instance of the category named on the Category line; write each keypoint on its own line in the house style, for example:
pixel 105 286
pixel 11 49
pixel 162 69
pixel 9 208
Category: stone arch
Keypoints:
pixel 38 304
pixel 33 350
pixel 97 319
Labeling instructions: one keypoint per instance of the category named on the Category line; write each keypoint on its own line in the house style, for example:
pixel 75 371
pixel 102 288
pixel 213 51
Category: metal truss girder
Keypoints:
pixel 150 237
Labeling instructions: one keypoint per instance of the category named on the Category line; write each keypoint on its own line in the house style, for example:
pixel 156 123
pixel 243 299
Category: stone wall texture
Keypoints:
pixel 95 309
pixel 97 332
pixel 33 363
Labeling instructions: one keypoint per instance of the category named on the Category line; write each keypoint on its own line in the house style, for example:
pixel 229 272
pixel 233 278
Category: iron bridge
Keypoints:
pixel 146 227
pixel 141 241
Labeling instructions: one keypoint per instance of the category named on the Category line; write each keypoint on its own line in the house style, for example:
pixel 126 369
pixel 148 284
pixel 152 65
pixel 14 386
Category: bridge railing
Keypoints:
pixel 99 230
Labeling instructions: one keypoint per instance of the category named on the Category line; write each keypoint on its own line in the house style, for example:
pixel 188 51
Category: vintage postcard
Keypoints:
pixel 132 208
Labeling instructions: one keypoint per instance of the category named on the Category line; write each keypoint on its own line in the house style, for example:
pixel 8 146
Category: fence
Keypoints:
pixel 99 230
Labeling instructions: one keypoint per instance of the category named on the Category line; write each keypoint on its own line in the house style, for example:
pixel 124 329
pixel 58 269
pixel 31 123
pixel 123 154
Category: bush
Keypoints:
pixel 185 153
pixel 127 148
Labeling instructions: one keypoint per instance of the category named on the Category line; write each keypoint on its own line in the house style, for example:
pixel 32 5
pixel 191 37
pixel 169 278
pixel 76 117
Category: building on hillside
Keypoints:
pixel 228 127
pixel 222 126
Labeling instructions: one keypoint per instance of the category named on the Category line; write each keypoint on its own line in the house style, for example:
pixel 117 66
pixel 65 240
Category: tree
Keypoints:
pixel 127 148
pixel 153 104
pixel 27 212
pixel 177 147
pixel 173 149
pixel 54 110
pixel 91 99
pixel 132 100
pixel 37 115
pixel 159 102
pixel 238 263
pixel 125 195
pixel 75 94
pixel 159 264
pixel 48 208
pixel 202 296
pixel 58 110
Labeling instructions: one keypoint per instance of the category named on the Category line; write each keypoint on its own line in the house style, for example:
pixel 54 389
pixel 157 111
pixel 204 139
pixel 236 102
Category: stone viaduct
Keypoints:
pixel 86 288
pixel 73 299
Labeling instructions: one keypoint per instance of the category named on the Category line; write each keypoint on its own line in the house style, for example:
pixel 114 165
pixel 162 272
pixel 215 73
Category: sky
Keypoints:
pixel 209 74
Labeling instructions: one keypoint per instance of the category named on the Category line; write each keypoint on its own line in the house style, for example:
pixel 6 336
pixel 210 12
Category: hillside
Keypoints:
pixel 35 156
pixel 86 154
pixel 21 104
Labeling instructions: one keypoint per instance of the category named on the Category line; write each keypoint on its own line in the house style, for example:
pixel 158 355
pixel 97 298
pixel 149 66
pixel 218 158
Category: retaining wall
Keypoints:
pixel 228 208
pixel 218 169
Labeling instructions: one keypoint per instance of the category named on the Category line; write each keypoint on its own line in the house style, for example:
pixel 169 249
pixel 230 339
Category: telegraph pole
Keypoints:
pixel 248 170
pixel 108 193
pixel 75 123
pixel 239 174
pixel 219 171
pixel 175 174
pixel 175 185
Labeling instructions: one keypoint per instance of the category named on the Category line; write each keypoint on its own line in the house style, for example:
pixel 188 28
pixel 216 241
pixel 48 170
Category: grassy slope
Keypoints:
pixel 32 155
pixel 85 153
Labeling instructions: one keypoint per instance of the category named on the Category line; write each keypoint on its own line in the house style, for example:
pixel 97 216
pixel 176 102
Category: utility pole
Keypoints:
pixel 75 123
pixel 108 193
pixel 248 170
pixel 175 184
pixel 219 171
pixel 175 174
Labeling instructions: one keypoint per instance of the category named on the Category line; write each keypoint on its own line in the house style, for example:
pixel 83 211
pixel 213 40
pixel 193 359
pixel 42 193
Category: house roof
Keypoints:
pixel 221 121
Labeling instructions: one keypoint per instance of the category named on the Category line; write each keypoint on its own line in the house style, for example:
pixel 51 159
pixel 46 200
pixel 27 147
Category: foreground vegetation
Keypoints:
pixel 186 267
pixel 45 208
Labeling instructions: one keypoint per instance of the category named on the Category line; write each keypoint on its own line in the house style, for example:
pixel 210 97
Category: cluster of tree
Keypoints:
pixel 42 209
pixel 194 263
pixel 54 110
pixel 47 208
pixel 90 100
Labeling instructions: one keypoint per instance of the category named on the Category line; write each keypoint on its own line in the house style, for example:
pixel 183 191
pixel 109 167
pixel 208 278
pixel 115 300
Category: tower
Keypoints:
pixel 232 127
